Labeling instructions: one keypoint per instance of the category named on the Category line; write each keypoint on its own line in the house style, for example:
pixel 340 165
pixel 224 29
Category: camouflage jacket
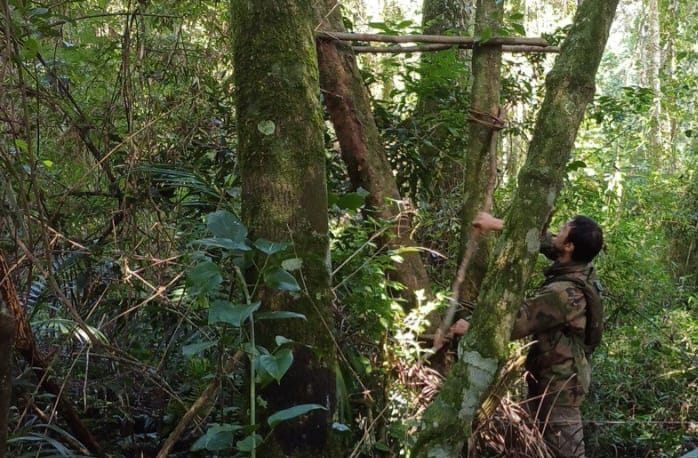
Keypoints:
pixel 556 319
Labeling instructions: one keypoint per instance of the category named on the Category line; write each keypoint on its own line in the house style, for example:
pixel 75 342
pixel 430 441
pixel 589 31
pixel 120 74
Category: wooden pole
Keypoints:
pixel 441 39
pixel 441 47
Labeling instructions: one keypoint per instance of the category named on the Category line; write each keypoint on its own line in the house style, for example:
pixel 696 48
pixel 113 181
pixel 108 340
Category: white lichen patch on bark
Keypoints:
pixel 481 372
pixel 550 200
pixel 533 240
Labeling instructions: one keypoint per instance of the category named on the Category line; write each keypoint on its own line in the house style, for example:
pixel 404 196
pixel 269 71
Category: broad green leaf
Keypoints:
pixel 266 127
pixel 21 145
pixel 204 278
pixel 504 31
pixel 249 443
pixel 224 224
pixel 575 165
pixel 281 340
pixel 350 201
pixel 226 244
pixel 340 427
pixel 217 437
pixel 38 437
pixel 198 347
pixel 281 280
pixel 282 315
pixel 229 313
pixel 38 12
pixel 486 34
pixel 382 26
pixel 277 364
pixel 292 264
pixel 381 446
pixel 268 247
pixel 30 47
pixel 396 258
pixel 47 163
pixel 518 28
pixel 292 412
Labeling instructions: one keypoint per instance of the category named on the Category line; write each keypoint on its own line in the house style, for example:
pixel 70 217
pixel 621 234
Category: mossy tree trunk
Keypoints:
pixel 443 101
pixel 447 423
pixel 347 101
pixel 485 94
pixel 284 199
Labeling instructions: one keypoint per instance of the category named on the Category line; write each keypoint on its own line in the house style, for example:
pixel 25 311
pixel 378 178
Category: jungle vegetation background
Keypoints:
pixel 120 175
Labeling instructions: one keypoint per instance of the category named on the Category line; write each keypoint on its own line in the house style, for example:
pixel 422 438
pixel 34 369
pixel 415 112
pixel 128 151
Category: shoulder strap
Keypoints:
pixel 594 309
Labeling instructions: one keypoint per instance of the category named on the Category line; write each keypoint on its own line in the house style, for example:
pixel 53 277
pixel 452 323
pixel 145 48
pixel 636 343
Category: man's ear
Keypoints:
pixel 568 247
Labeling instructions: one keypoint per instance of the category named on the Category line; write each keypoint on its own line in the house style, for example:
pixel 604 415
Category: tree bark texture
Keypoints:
pixel 284 198
pixel 485 99
pixel 447 423
pixel 347 101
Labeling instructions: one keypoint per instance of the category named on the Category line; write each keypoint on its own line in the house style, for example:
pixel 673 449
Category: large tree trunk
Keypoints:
pixel 447 423
pixel 487 62
pixel 347 102
pixel 284 198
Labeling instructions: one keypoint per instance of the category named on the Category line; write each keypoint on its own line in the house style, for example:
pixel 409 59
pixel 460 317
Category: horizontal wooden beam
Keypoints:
pixel 441 47
pixel 438 39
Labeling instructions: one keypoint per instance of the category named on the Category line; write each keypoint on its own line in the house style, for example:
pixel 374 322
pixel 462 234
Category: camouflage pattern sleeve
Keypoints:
pixel 544 311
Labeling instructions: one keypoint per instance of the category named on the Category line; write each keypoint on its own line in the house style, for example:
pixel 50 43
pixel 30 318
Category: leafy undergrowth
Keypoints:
pixel 644 395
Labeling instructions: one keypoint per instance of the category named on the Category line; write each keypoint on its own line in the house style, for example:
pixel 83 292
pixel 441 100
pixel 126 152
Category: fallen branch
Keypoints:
pixel 442 47
pixel 204 401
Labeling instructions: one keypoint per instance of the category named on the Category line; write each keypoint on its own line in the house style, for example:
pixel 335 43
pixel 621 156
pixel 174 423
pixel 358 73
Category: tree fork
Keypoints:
pixel 447 424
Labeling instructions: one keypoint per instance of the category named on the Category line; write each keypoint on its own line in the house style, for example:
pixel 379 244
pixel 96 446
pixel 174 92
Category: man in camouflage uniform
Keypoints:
pixel 556 318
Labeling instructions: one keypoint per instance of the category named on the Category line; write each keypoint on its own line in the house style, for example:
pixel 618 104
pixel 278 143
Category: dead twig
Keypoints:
pixel 202 403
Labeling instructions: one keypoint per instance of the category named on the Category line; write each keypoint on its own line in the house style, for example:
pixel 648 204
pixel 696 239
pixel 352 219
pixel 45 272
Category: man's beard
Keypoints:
pixel 549 250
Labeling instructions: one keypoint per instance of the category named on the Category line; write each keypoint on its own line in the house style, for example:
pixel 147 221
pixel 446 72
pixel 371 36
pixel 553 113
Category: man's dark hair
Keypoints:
pixel 587 238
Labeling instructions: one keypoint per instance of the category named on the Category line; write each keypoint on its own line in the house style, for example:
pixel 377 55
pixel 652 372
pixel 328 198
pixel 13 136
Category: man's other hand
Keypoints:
pixel 459 328
pixel 486 222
